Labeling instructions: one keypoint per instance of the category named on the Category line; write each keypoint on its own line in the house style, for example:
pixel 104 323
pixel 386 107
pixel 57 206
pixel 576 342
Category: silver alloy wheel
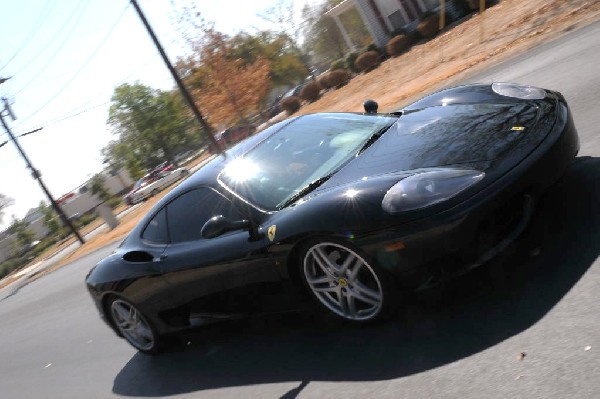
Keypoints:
pixel 343 281
pixel 132 324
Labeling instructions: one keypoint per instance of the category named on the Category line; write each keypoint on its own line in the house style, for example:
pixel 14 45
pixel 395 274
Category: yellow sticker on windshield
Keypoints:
pixel 271 232
pixel 518 128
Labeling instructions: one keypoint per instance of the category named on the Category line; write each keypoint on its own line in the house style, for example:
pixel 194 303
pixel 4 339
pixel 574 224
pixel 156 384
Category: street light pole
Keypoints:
pixel 36 173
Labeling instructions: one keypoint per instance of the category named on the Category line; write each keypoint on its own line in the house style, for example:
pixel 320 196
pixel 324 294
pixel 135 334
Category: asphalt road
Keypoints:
pixel 524 327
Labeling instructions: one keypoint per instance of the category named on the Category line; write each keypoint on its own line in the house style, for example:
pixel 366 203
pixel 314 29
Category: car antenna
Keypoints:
pixel 370 106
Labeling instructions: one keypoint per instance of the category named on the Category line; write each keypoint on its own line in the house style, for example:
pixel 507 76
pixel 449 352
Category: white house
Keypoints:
pixel 382 17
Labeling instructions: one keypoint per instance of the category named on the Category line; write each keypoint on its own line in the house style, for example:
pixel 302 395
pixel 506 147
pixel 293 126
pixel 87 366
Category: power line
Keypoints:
pixel 35 28
pixel 58 50
pixel 65 25
pixel 36 173
pixel 85 63
pixel 76 111
pixel 69 116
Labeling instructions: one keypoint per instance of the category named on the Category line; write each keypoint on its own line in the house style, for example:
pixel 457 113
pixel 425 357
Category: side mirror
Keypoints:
pixel 218 225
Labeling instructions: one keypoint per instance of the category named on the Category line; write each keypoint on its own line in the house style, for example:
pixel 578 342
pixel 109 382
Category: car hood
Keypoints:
pixel 451 135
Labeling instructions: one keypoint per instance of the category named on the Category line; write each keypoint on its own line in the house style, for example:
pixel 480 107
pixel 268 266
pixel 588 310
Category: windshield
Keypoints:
pixel 301 152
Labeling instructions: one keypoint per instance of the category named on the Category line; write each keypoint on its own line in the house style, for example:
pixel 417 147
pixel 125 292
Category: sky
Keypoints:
pixel 65 57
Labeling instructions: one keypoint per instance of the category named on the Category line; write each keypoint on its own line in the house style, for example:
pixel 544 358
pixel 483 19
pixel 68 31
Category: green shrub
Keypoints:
pixel 10 265
pixel 367 61
pixel 44 244
pixel 114 202
pixel 64 232
pixel 373 47
pixel 290 104
pixel 397 45
pixel 338 64
pixel 350 62
pixel 339 77
pixel 87 218
pixel 311 91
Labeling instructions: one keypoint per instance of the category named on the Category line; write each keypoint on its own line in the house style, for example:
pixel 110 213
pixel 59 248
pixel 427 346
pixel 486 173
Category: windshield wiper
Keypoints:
pixel 374 138
pixel 307 189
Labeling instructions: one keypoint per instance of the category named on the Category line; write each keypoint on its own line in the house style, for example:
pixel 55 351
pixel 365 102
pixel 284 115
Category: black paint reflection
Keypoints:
pixel 452 135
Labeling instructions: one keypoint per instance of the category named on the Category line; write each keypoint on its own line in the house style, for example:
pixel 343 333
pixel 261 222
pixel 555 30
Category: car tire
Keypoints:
pixel 134 327
pixel 342 281
pixel 154 192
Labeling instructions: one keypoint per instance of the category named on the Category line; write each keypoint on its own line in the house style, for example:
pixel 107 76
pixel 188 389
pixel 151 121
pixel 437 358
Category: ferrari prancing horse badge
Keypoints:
pixel 271 232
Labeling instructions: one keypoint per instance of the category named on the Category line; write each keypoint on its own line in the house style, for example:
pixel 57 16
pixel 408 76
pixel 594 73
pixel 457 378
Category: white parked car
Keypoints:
pixel 153 183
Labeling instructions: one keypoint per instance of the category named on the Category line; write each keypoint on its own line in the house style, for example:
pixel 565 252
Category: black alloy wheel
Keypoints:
pixel 134 326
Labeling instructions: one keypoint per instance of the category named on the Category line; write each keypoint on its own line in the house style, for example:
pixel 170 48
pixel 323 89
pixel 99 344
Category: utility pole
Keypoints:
pixel 184 92
pixel 36 173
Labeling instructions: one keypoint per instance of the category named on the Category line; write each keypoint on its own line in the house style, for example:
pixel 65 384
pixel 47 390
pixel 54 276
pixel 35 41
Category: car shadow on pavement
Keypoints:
pixel 471 314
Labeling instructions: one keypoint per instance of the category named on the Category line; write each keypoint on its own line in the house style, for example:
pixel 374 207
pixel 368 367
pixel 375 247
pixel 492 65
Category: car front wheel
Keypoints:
pixel 344 283
pixel 134 326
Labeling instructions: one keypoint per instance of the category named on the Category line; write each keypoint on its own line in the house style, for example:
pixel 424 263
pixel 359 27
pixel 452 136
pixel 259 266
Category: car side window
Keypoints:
pixel 188 213
pixel 156 229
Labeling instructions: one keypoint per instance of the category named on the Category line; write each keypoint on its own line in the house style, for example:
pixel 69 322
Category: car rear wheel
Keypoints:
pixel 134 326
pixel 345 284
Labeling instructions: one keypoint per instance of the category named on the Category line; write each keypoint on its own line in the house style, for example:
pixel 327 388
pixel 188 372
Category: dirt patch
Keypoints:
pixel 510 28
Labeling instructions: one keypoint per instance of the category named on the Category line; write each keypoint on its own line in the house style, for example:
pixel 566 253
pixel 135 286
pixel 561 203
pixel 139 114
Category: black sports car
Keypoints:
pixel 350 209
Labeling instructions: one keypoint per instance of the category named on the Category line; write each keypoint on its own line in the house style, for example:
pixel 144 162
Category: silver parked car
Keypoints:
pixel 152 183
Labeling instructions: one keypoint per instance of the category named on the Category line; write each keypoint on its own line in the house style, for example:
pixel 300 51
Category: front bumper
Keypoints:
pixel 467 234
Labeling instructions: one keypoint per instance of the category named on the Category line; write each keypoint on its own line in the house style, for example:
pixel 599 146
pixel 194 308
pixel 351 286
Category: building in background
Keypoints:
pixel 77 202
pixel 382 17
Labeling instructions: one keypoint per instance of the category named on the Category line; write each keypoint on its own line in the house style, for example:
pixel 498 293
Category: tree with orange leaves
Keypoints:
pixel 227 89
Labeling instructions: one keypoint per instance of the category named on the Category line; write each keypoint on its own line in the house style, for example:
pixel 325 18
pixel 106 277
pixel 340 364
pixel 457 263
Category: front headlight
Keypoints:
pixel 428 188
pixel 519 91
